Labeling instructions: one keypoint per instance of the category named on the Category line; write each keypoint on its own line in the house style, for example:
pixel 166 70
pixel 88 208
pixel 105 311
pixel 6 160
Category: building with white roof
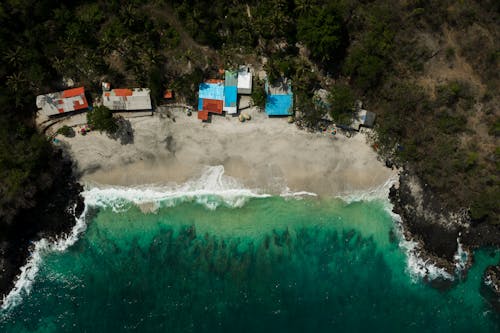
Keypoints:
pixel 136 99
pixel 244 80
pixel 62 102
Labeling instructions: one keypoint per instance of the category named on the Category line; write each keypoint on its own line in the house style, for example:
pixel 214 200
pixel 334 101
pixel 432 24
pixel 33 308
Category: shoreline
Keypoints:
pixel 265 153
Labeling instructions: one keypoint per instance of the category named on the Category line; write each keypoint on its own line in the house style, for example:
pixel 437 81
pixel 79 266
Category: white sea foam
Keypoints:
pixel 416 266
pixel 460 258
pixel 212 189
pixel 24 280
pixel 377 193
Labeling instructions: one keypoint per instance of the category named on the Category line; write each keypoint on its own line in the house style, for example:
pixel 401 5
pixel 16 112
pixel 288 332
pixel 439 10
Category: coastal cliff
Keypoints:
pixel 445 237
pixel 51 216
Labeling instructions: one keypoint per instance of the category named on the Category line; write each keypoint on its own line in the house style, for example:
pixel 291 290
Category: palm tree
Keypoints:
pixel 14 57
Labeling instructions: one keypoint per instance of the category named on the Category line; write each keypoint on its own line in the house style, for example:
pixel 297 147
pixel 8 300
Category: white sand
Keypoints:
pixel 268 154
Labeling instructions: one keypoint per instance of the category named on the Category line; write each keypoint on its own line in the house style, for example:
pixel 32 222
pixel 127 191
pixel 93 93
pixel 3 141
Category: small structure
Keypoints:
pixel 244 80
pixel 320 98
pixel 279 100
pixel 363 118
pixel 169 94
pixel 137 99
pixel 62 102
pixel 210 98
pixel 230 92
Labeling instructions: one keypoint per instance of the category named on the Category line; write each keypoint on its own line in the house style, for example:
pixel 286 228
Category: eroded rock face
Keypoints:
pixel 52 214
pixel 425 221
pixel 490 288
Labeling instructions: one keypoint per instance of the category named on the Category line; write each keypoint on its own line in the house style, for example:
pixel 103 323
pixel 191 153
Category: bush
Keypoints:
pixel 66 131
pixel 258 94
pixel 101 119
pixel 342 101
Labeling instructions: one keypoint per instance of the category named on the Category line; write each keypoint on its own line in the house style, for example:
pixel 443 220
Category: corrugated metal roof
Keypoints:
pixel 127 99
pixel 279 105
pixel 211 90
pixel 62 101
pixel 231 79
pixel 244 80
pixel 279 101
pixel 230 99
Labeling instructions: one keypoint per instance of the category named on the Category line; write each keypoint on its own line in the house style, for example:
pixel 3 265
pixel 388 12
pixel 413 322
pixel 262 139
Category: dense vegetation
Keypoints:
pixel 429 69
pixel 101 119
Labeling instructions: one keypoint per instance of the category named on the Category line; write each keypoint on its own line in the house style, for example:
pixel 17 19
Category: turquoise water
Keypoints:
pixel 272 265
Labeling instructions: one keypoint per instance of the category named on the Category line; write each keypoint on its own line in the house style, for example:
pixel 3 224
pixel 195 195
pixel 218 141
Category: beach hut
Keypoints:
pixel 279 100
pixel 168 94
pixel 244 80
pixel 363 118
pixel 62 102
pixel 210 98
pixel 230 92
pixel 136 99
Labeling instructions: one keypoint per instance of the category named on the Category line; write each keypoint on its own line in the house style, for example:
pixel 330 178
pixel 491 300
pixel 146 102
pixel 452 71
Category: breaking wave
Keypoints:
pixel 24 280
pixel 377 193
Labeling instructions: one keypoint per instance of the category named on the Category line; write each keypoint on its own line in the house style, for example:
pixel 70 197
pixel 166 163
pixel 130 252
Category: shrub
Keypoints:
pixel 101 118
pixel 66 131
pixel 258 94
pixel 342 101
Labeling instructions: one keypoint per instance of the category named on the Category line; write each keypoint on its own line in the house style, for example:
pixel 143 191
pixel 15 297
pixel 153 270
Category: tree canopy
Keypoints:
pixel 101 118
pixel 323 32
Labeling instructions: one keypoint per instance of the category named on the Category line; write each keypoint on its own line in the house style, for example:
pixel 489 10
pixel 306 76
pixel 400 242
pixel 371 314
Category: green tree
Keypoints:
pixel 258 94
pixel 323 32
pixel 101 118
pixel 342 101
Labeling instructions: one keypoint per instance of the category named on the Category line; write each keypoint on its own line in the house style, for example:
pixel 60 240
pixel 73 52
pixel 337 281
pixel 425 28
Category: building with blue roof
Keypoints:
pixel 231 92
pixel 279 100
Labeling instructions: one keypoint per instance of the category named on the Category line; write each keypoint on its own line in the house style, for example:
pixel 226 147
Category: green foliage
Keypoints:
pixel 323 31
pixel 101 119
pixel 494 128
pixel 485 206
pixel 66 131
pixel 450 123
pixel 258 94
pixel 370 55
pixel 449 94
pixel 342 101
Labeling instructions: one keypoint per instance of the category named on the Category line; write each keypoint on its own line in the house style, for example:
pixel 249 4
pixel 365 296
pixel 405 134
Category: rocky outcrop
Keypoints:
pixel 425 221
pixel 52 215
pixel 490 288
pixel 445 238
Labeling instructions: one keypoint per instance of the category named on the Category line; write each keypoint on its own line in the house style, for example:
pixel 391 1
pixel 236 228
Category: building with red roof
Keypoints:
pixel 62 102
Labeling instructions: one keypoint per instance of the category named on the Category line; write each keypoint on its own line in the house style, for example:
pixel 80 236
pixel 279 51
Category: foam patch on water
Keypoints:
pixel 377 193
pixel 25 279
pixel 418 267
pixel 211 189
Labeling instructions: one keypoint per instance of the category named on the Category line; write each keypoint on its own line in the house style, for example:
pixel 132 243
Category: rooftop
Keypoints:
pixel 63 101
pixel 127 99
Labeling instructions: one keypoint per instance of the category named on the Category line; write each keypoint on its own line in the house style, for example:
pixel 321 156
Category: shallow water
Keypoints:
pixel 272 264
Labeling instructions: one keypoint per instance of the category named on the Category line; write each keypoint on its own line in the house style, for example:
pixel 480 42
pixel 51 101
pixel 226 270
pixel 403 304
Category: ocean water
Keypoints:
pixel 224 260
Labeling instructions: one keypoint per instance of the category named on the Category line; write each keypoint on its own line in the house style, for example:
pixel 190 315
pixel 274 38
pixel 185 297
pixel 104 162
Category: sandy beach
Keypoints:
pixel 266 154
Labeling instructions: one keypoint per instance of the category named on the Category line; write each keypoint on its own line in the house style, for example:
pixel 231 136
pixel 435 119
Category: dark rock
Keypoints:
pixel 424 219
pixel 389 164
pixel 51 215
pixel 490 286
